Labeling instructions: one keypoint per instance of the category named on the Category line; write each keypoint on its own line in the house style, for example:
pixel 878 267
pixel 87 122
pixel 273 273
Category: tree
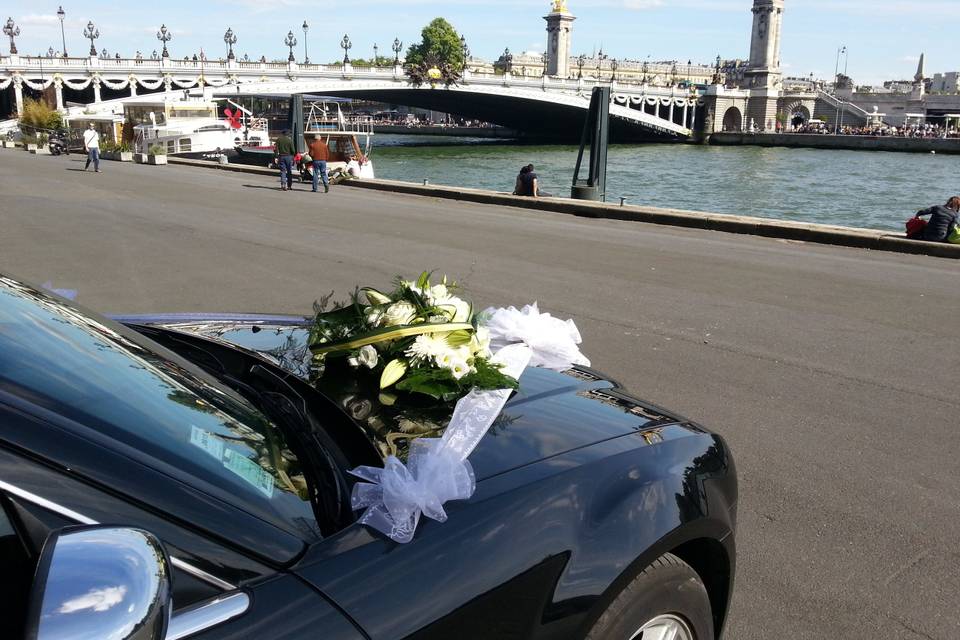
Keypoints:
pixel 440 42
pixel 38 115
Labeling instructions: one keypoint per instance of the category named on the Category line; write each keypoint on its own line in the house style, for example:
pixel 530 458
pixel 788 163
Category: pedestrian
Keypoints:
pixel 284 149
pixel 320 152
pixel 91 144
pixel 519 186
pixel 942 220
pixel 531 183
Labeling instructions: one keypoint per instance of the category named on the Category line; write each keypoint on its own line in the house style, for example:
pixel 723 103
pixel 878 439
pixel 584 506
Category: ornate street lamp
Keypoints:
pixel 306 58
pixel 376 54
pixel 291 42
pixel 231 39
pixel 104 53
pixel 397 48
pixel 543 59
pixel 645 68
pixel 613 69
pixel 465 50
pixel 581 60
pixel 63 36
pixel 12 31
pixel 673 75
pixel 346 45
pixel 164 36
pixel 91 33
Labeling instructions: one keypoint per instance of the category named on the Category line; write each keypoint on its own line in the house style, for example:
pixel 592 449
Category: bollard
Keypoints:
pixel 622 200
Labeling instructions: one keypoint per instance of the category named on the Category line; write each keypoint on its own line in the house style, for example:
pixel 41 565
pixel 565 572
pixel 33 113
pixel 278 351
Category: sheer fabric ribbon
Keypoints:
pixel 437 469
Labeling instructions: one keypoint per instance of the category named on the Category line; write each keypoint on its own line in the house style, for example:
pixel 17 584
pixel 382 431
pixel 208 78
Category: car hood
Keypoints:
pixel 550 414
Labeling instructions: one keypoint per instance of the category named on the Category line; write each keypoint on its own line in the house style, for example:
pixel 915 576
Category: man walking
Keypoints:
pixel 285 149
pixel 91 144
pixel 320 152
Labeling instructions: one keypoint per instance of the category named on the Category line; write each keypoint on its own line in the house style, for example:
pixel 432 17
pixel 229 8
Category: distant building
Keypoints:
pixel 946 82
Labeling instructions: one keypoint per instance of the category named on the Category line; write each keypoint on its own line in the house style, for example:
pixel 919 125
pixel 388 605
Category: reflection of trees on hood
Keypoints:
pixel 693 501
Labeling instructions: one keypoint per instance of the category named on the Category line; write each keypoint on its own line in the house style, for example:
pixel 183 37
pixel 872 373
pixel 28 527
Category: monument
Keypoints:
pixel 763 76
pixel 559 24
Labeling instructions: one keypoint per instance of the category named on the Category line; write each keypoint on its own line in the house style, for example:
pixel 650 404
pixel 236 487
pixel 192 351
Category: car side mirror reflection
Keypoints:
pixel 101 582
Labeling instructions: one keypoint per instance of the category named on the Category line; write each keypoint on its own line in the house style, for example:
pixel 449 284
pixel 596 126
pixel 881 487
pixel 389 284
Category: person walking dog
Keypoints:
pixel 91 144
pixel 320 152
pixel 285 150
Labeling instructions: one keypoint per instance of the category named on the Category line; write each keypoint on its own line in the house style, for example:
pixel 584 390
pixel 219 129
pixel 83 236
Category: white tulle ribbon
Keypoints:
pixel 437 469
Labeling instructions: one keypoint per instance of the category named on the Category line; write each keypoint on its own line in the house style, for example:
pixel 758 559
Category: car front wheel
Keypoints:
pixel 667 601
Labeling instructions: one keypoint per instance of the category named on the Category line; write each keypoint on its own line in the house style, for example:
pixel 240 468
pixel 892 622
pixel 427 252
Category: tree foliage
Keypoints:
pixel 38 115
pixel 440 43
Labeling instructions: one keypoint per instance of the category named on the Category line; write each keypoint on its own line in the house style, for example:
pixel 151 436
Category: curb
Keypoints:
pixel 746 225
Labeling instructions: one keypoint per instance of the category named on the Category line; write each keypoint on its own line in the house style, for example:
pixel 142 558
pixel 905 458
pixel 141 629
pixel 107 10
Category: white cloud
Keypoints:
pixel 95 599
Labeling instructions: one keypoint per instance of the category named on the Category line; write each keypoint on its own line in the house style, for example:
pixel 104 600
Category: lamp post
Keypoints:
pixel 290 41
pixel 543 59
pixel 164 36
pixel 91 33
pixel 61 14
pixel 836 86
pixel 231 39
pixel 464 51
pixel 613 70
pixel 581 60
pixel 306 57
pixel 376 54
pixel 12 31
pixel 646 67
pixel 397 48
pixel 346 45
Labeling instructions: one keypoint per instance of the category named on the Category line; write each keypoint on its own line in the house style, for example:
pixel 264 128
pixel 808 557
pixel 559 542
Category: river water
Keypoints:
pixel 870 189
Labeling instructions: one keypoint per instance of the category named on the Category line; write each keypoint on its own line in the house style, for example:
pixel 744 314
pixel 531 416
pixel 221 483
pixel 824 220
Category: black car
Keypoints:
pixel 184 464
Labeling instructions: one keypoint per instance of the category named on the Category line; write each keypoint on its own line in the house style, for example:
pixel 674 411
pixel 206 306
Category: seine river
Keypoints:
pixel 871 189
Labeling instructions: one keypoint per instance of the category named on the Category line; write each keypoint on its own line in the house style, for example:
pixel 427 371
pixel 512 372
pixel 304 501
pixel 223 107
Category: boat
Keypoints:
pixel 193 127
pixel 347 155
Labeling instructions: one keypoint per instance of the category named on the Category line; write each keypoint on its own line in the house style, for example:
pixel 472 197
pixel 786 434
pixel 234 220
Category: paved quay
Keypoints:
pixel 832 371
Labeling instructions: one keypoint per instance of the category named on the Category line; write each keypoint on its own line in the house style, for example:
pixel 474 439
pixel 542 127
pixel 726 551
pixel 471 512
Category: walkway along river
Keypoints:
pixel 870 189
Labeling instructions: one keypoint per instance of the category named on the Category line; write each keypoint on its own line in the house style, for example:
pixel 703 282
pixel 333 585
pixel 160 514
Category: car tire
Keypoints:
pixel 668 594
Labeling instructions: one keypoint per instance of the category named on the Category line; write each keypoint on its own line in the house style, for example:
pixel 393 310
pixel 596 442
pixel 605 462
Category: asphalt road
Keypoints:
pixel 833 372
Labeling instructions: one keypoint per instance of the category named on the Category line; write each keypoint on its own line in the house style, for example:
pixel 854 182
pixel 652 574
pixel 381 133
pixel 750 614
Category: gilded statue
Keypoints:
pixel 560 6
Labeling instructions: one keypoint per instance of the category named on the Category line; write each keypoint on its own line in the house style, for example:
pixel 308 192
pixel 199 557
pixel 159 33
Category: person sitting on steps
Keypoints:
pixel 942 220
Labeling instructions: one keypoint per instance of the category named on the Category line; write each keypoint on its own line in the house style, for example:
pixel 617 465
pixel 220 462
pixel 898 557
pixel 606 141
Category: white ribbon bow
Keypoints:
pixel 437 469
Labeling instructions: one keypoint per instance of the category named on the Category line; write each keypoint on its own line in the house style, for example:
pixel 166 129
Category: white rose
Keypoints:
pixel 368 356
pixel 399 313
pixel 456 309
pixel 374 315
pixel 437 293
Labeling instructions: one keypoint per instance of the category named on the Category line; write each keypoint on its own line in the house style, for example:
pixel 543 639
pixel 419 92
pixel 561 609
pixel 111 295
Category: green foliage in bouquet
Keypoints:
pixel 418 339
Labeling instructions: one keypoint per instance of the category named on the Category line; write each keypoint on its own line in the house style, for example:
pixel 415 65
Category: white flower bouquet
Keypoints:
pixel 420 338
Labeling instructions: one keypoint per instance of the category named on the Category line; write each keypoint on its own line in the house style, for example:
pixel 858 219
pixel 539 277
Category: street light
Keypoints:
pixel 465 51
pixel 306 58
pixel 291 42
pixel 91 33
pixel 543 59
pixel 397 48
pixel 346 45
pixel 164 36
pixel 613 69
pixel 376 54
pixel 836 85
pixel 231 39
pixel 12 30
pixel 581 60
pixel 63 36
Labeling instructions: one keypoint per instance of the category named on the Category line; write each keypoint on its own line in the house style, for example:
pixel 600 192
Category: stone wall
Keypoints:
pixel 856 143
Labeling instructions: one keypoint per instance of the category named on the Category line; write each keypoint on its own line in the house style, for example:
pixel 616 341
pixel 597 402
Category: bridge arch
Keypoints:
pixel 733 119
pixel 798 114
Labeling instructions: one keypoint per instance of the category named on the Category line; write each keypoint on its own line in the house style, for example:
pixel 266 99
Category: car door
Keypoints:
pixel 241 598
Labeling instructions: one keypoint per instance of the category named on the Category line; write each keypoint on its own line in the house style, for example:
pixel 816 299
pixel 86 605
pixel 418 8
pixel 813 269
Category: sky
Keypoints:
pixel 884 37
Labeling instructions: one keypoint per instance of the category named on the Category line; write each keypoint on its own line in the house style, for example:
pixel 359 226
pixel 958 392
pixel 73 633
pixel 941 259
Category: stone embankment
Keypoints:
pixel 852 143
pixel 768 227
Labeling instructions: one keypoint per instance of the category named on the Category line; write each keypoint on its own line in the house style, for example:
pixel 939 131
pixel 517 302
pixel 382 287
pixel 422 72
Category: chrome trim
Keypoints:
pixel 201 574
pixel 82 519
pixel 209 614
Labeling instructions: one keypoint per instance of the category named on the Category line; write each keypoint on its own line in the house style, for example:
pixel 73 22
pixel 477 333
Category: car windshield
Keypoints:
pixel 117 382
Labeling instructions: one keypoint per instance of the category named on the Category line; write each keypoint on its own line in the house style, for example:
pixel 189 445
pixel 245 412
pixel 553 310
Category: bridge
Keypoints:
pixel 545 106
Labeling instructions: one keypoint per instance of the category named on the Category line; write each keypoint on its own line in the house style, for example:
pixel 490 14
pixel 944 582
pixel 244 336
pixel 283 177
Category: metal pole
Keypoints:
pixel 836 91
pixel 63 36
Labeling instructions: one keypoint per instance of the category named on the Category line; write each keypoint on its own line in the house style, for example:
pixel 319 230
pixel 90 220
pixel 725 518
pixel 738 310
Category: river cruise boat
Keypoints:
pixel 193 127
pixel 349 141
